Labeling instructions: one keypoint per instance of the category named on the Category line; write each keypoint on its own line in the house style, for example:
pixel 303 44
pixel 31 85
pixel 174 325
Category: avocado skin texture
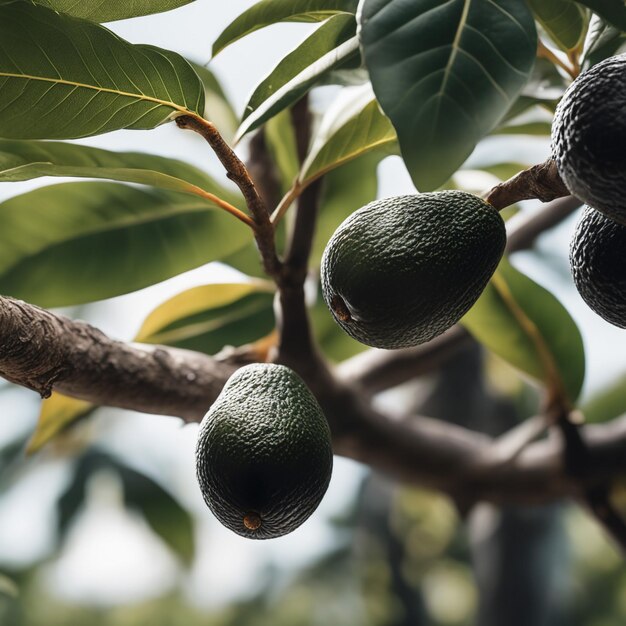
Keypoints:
pixel 589 137
pixel 402 270
pixel 598 262
pixel 264 448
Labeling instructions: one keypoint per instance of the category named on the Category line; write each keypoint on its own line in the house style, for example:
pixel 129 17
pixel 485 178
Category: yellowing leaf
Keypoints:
pixel 196 300
pixel 57 412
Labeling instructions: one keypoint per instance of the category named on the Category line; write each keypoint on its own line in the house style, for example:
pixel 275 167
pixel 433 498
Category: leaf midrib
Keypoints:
pixel 125 94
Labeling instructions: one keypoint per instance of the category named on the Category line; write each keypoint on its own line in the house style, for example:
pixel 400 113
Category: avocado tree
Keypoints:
pixel 425 80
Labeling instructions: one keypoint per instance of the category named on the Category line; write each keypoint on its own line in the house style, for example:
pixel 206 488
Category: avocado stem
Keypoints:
pixel 340 308
pixel 252 521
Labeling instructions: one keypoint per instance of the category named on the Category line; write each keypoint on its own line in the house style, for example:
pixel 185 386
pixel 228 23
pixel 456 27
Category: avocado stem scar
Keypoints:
pixel 252 521
pixel 340 309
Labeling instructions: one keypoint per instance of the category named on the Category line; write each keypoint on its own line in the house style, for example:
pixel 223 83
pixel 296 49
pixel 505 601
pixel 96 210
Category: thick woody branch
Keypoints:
pixel 377 370
pixel 44 351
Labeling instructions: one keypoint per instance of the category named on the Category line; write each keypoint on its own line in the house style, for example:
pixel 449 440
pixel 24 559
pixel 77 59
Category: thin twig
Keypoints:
pixel 541 182
pixel 240 215
pixel 238 173
pixel 296 339
pixel 544 52
pixel 286 202
pixel 506 448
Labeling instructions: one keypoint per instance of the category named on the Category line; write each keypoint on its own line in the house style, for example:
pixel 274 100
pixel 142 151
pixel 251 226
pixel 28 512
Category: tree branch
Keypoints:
pixel 542 182
pixel 377 370
pixel 44 351
pixel 238 173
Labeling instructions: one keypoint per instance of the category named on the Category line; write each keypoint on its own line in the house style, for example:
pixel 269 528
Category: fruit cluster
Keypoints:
pixel 397 273
pixel 589 146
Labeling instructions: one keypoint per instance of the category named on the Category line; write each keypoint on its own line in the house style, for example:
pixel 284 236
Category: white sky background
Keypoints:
pixel 228 565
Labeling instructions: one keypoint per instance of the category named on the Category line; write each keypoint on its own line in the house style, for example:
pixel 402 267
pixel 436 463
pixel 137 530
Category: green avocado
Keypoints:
pixel 589 137
pixel 402 270
pixel 264 457
pixel 598 262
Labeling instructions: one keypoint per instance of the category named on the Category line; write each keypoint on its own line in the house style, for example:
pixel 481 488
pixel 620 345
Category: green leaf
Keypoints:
pixel 208 317
pixel 64 78
pixel 268 12
pixel 564 20
pixel 281 143
pixel 8 588
pixel 25 160
pixel 613 11
pixel 111 10
pixel 327 37
pixel 204 318
pixel 293 90
pixel 529 328
pixel 603 41
pixel 78 242
pixel 353 126
pixel 163 513
pixel 446 74
pixel 537 128
pixel 607 403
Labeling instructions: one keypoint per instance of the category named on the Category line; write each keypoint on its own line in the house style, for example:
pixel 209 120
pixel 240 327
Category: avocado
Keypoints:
pixel 264 457
pixel 589 137
pixel 402 270
pixel 598 262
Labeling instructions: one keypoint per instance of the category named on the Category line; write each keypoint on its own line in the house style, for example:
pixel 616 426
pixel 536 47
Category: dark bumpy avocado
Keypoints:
pixel 400 271
pixel 598 262
pixel 264 457
pixel 589 137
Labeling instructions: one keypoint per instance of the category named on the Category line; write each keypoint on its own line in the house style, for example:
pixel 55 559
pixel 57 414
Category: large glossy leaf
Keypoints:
pixel 25 160
pixel 293 90
pixel 613 11
pixel 208 317
pixel 327 37
pixel 111 10
pixel 445 73
pixel 603 40
pixel 354 126
pixel 77 242
pixel 268 12
pixel 162 512
pixel 63 77
pixel 527 326
pixel 564 20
